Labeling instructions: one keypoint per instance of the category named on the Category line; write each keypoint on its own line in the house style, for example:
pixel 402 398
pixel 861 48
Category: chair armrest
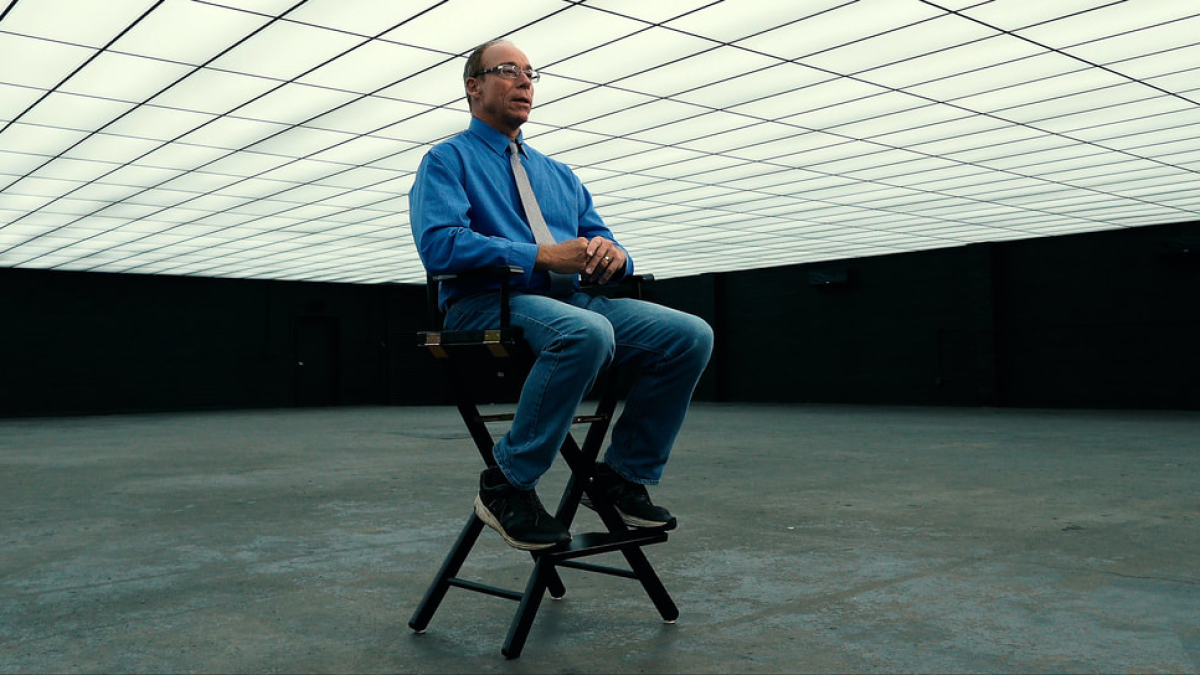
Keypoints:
pixel 502 272
pixel 628 286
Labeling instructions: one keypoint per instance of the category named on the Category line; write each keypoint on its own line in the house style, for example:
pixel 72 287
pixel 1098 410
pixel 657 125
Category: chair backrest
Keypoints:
pixel 492 363
pixel 629 287
pixel 502 275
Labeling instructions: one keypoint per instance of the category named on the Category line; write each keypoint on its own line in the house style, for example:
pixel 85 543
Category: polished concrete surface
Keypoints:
pixel 811 539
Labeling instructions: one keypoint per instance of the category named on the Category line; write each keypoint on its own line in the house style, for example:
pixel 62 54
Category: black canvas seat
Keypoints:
pixel 490 366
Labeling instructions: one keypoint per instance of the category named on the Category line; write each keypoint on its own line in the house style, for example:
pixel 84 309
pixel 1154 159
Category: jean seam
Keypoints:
pixel 535 424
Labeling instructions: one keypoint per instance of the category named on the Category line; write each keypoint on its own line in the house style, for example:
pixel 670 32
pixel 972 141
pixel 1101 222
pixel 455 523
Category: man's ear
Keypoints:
pixel 473 85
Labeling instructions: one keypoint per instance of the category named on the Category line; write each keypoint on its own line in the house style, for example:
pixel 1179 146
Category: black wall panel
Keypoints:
pixel 1105 319
pixel 913 328
pixel 88 343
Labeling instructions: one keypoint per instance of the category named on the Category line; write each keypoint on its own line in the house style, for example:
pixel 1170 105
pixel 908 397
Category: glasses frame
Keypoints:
pixel 503 69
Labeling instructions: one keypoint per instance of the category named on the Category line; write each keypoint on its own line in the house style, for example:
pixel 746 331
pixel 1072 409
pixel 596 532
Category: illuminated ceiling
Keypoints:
pixel 278 138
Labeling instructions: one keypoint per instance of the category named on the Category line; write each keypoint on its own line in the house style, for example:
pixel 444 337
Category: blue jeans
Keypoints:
pixel 574 340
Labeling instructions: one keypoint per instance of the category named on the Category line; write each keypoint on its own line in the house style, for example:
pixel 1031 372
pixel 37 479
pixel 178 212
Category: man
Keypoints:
pixel 467 212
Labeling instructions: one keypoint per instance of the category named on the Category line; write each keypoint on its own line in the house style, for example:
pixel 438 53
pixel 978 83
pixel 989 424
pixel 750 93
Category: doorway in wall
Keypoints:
pixel 316 381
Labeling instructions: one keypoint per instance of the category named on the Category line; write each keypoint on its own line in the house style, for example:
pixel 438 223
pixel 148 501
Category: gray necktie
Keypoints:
pixel 560 284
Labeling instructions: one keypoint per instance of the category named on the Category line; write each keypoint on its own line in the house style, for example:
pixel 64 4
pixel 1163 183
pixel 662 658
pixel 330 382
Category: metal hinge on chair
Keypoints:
pixel 433 342
pixel 492 339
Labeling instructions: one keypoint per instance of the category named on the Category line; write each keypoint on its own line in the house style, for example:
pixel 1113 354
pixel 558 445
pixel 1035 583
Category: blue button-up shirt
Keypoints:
pixel 466 213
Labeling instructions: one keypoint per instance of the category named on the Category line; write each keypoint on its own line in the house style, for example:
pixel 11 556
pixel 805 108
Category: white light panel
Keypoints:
pixel 278 139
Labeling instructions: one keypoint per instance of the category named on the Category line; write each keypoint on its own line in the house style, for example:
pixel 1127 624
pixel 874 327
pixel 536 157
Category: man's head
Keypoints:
pixel 501 102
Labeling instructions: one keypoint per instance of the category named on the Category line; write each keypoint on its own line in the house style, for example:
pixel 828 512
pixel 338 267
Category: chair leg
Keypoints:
pixel 654 587
pixel 554 583
pixel 518 632
pixel 453 563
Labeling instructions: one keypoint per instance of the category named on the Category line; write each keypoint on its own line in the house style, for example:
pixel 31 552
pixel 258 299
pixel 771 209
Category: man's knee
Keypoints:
pixel 695 338
pixel 585 334
pixel 595 335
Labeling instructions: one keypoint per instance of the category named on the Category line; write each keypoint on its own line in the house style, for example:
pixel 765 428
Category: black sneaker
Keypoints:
pixel 630 499
pixel 518 515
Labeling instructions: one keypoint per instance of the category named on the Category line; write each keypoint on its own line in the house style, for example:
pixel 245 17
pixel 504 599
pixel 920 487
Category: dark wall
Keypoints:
pixel 86 343
pixel 1105 319
pixel 913 328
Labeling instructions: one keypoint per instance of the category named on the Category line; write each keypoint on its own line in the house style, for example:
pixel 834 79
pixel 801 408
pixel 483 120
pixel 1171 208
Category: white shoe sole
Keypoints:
pixel 490 520
pixel 631 521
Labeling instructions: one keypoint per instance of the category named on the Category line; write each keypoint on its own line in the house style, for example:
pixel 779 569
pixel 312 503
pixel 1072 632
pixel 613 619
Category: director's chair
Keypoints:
pixel 489 366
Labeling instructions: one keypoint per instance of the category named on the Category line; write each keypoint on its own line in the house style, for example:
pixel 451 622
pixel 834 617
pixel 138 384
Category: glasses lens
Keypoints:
pixel 510 72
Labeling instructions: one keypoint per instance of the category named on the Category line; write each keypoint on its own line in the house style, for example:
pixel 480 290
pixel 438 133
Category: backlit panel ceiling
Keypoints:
pixel 278 138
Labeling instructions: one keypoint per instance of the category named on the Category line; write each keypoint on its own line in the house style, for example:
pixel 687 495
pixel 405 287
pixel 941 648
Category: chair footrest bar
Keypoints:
pixel 599 569
pixel 508 417
pixel 500 417
pixel 592 543
pixel 484 588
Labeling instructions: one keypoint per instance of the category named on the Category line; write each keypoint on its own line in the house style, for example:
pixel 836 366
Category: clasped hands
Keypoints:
pixel 597 260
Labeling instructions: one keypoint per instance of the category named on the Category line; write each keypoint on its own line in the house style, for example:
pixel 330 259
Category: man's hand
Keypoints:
pixel 597 260
pixel 605 259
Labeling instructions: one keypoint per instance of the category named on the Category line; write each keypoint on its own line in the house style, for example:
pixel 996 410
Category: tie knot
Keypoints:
pixel 514 148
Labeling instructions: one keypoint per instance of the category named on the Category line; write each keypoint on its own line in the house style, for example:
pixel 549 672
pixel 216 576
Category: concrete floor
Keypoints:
pixel 811 539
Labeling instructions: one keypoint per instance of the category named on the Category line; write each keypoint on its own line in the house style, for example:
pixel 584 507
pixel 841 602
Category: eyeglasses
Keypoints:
pixel 511 72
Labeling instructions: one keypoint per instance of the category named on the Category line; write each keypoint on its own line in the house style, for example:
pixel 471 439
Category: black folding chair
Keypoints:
pixel 491 365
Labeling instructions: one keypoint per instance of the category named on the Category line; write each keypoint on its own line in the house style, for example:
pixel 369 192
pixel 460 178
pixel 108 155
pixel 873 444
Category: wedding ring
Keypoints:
pixel 606 258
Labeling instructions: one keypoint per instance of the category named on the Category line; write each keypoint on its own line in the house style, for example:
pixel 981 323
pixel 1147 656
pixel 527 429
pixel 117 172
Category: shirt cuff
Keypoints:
pixel 524 255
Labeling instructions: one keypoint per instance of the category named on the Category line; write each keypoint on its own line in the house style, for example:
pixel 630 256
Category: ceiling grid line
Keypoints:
pixel 772 133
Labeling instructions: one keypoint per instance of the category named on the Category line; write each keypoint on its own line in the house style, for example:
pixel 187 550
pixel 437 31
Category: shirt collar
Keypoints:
pixel 494 139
